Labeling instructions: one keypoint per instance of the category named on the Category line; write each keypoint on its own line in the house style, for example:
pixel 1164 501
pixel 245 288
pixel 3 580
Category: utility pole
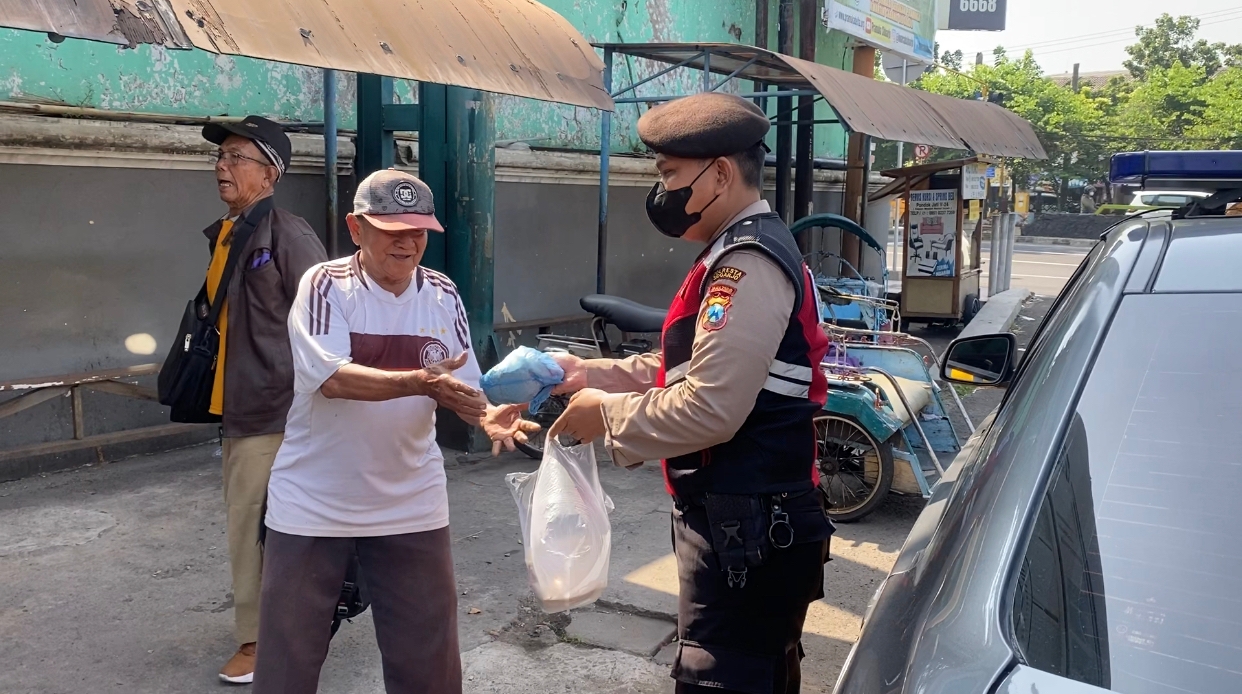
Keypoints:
pixel 858 159
pixel 1074 79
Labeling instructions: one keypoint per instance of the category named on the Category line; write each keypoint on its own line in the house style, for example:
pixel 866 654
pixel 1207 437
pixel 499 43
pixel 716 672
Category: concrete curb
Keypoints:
pixel 1050 241
pixel 998 313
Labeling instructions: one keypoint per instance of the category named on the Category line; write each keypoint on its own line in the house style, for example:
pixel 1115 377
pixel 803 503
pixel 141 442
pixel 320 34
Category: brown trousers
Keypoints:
pixel 247 467
pixel 409 579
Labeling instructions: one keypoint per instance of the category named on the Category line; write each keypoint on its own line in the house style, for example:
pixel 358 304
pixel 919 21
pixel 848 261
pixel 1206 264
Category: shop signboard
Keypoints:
pixel 974 181
pixel 904 27
pixel 933 231
pixel 973 15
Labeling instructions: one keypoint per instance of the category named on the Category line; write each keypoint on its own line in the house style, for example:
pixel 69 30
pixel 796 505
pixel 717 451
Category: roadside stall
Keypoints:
pixel 943 210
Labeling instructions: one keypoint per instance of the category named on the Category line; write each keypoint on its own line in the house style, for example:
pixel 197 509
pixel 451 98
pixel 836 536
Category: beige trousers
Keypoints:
pixel 247 467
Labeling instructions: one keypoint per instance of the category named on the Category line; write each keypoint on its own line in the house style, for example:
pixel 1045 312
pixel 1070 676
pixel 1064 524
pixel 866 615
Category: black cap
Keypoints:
pixel 703 126
pixel 266 134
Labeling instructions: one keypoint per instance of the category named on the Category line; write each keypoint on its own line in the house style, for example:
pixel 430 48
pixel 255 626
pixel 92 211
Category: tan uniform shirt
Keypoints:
pixel 728 367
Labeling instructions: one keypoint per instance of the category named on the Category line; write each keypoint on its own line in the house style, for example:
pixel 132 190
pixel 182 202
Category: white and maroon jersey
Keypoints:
pixel 355 469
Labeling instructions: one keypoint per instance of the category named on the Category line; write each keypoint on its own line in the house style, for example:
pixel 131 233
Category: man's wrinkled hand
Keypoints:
pixel 583 418
pixel 506 428
pixel 438 383
pixel 575 373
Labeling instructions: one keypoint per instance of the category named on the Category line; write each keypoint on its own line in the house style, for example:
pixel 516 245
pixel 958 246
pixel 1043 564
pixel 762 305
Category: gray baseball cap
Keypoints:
pixel 394 200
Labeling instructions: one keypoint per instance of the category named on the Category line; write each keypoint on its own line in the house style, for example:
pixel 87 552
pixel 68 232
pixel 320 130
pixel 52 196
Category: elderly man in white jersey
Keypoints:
pixel 378 342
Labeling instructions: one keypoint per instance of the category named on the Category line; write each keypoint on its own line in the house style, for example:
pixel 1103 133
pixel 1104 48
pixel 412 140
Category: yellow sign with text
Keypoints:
pixel 1022 202
pixel 975 207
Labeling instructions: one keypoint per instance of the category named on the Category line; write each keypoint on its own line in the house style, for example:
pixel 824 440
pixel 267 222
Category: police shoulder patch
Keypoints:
pixel 721 290
pixel 727 273
pixel 716 311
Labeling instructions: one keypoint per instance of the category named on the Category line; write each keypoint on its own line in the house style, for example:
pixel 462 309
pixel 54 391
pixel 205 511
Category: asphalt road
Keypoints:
pixel 1040 268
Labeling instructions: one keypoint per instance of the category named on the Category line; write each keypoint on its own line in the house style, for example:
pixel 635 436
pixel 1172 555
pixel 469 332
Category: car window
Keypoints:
pixel 1132 579
pixel 1172 200
pixel 1057 310
pixel 1204 256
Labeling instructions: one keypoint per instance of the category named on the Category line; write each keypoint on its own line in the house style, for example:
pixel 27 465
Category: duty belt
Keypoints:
pixel 744 530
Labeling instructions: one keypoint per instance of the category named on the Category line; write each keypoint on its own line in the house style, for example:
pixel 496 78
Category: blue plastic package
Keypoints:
pixel 526 375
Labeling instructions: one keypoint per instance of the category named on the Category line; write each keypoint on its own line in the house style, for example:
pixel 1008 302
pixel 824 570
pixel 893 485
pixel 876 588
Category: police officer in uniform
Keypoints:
pixel 727 405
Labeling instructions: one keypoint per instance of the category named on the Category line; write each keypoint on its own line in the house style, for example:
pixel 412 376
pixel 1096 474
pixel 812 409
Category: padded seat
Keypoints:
pixel 628 316
pixel 917 393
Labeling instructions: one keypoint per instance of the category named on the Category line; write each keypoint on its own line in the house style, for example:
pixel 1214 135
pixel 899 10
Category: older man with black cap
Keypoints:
pixel 728 405
pixel 254 371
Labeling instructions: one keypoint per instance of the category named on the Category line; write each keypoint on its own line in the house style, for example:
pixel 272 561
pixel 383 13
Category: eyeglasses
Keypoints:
pixel 231 158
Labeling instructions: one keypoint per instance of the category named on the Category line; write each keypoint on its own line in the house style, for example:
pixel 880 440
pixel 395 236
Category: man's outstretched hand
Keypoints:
pixel 438 383
pixel 505 427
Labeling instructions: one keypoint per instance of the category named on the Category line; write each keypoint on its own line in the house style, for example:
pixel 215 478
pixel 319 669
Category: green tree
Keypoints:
pixel 1220 121
pixel 1165 109
pixel 1172 41
pixel 1065 122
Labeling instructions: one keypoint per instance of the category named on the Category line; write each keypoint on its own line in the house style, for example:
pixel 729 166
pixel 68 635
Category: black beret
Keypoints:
pixel 703 126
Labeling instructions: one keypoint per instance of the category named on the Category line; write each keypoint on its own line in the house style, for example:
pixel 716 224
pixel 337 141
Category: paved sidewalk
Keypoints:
pixel 116 580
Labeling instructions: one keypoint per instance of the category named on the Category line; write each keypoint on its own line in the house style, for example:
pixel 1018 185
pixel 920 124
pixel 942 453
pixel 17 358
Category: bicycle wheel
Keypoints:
pixel 855 470
pixel 544 417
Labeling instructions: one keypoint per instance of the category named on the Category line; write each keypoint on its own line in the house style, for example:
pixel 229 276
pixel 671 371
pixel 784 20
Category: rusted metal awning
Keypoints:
pixel 123 22
pixel 880 109
pixel 516 47
pixel 987 128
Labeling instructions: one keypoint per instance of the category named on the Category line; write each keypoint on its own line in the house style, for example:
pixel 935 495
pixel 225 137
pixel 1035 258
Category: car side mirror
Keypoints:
pixel 982 360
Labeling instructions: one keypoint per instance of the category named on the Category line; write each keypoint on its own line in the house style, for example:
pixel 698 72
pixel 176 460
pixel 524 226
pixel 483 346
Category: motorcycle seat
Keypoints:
pixel 628 316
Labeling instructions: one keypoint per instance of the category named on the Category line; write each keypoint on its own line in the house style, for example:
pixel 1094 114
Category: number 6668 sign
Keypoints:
pixel 976 15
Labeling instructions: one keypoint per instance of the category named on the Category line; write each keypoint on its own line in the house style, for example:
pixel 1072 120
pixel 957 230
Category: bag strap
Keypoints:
pixel 241 234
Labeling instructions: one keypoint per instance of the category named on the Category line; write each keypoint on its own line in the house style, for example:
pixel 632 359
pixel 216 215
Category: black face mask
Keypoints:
pixel 667 208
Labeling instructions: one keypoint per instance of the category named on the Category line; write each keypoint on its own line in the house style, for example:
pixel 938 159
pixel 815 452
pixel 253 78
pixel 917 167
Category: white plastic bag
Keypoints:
pixel 566 534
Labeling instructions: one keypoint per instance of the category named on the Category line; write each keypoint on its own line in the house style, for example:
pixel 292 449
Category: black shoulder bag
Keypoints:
pixel 189 372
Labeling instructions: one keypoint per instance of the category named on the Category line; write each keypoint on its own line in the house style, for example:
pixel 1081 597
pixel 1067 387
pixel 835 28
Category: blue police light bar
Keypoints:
pixel 1205 169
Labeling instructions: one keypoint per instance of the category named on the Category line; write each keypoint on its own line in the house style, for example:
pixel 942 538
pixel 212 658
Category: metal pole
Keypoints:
pixel 329 161
pixel 761 41
pixel 998 233
pixel 470 232
pixel 995 261
pixel 605 141
pixel 784 133
pixel 901 146
pixel 1013 232
pixel 433 165
pixel 1003 273
pixel 374 150
pixel 804 179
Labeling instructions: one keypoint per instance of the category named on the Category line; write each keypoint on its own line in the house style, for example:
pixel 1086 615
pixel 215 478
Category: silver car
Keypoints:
pixel 1089 537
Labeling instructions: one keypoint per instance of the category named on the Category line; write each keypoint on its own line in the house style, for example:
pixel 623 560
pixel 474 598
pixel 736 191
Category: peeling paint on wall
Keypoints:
pixel 197 83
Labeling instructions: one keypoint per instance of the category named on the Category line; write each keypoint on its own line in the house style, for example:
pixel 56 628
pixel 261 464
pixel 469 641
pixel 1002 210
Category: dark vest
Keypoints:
pixel 774 451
